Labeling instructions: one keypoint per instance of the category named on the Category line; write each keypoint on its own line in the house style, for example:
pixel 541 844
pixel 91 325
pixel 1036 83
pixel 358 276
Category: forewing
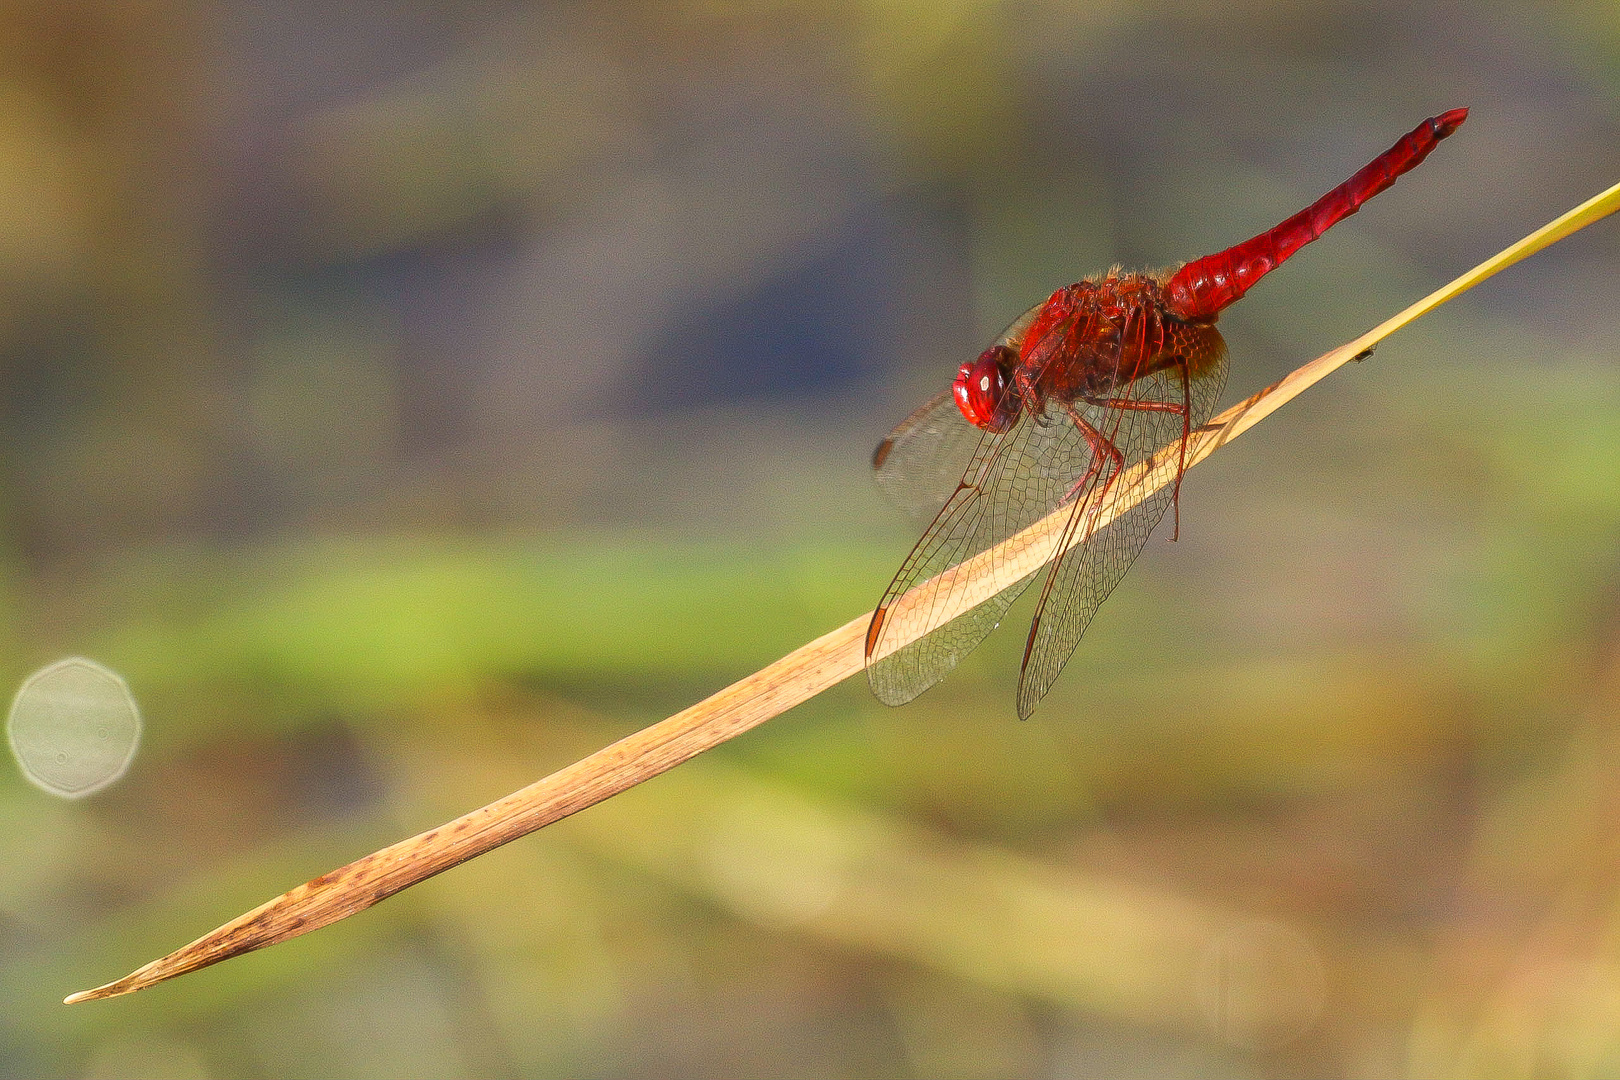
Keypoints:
pixel 1081 578
pixel 919 464
pixel 917 467
pixel 1013 480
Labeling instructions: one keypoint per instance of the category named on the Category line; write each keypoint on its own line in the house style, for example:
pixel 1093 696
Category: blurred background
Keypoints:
pixel 408 398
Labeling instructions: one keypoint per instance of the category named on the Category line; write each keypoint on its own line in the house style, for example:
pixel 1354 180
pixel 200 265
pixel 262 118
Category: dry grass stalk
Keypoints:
pixel 795 678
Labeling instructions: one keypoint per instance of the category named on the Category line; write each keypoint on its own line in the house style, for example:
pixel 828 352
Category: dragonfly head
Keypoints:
pixel 982 390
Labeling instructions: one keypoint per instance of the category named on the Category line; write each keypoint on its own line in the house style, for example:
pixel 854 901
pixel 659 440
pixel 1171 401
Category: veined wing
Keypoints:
pixel 920 463
pixel 1081 577
pixel 1014 479
pixel 922 459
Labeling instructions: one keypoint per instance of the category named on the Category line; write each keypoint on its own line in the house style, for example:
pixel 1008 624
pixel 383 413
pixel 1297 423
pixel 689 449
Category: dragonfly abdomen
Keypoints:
pixel 1205 286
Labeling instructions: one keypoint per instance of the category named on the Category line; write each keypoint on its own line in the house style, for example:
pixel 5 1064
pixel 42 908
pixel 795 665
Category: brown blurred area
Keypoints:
pixel 407 398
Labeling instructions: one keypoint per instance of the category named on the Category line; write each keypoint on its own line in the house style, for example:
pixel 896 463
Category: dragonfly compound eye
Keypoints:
pixel 981 390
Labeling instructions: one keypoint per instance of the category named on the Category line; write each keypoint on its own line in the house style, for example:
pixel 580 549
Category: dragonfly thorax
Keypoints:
pixel 1095 336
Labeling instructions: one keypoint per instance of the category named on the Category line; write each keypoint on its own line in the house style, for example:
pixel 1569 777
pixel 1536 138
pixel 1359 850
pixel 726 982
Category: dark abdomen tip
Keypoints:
pixel 1447 122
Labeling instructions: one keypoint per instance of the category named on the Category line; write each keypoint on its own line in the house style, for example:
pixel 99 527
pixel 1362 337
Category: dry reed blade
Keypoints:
pixel 768 692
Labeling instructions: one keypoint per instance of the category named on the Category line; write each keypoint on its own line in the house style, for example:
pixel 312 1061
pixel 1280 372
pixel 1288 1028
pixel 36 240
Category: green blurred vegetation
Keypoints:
pixel 409 399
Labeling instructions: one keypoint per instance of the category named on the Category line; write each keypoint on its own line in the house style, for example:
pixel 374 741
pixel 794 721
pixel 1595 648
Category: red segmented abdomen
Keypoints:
pixel 1205 286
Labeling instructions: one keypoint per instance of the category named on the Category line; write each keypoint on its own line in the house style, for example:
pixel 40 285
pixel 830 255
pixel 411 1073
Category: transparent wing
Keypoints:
pixel 917 467
pixel 923 459
pixel 1081 578
pixel 1013 479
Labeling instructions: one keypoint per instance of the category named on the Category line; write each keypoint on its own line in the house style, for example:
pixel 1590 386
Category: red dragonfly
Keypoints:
pixel 1081 387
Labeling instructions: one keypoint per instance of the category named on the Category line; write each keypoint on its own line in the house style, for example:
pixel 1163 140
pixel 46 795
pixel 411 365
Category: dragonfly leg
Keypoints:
pixel 1102 449
pixel 1182 408
pixel 1185 370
